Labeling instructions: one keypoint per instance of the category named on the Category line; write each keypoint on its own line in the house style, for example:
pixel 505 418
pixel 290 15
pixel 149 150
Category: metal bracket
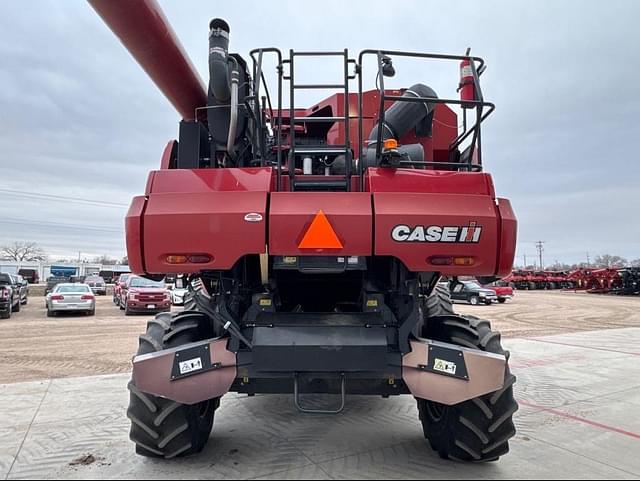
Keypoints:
pixel 320 411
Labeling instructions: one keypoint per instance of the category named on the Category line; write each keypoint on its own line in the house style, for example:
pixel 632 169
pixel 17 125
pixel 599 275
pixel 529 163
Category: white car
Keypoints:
pixel 177 296
pixel 71 298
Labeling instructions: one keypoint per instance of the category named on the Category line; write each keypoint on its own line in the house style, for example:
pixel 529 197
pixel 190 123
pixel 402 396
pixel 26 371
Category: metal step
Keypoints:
pixel 320 119
pixel 318 86
pixel 301 184
pixel 321 149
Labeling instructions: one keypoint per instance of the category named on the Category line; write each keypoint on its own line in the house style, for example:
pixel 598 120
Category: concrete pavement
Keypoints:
pixel 579 418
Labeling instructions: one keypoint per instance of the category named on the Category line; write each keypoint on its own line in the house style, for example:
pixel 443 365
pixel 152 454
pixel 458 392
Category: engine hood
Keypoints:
pixel 148 290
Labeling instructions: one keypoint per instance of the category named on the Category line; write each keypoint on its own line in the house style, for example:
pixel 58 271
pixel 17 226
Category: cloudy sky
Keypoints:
pixel 81 124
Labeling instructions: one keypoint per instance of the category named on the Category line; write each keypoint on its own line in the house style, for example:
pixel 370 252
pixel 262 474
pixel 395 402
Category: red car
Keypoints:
pixel 504 292
pixel 118 284
pixel 144 295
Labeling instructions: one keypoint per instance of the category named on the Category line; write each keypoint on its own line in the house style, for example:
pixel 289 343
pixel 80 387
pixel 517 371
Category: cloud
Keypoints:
pixel 79 117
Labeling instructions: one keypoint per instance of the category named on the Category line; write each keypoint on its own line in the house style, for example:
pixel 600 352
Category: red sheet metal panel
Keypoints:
pixel 221 213
pixel 133 228
pixel 418 227
pixel 223 225
pixel 508 238
pixel 292 213
pixel 257 179
pixel 431 181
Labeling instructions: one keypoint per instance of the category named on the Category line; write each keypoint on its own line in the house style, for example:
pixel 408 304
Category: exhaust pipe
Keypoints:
pixel 223 80
pixel 219 75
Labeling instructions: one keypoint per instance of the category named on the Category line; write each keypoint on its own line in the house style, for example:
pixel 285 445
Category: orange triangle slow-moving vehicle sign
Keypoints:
pixel 320 235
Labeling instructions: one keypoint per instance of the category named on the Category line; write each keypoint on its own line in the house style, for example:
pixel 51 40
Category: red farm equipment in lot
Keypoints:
pixel 623 281
pixel 313 239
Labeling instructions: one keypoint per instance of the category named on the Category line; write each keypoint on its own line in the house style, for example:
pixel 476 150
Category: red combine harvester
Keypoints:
pixel 313 240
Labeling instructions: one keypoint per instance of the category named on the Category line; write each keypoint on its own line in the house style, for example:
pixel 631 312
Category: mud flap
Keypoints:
pixel 450 374
pixel 188 374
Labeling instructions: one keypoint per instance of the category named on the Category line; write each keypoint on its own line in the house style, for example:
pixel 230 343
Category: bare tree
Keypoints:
pixel 609 261
pixel 23 252
pixel 635 263
pixel 125 261
pixel 105 260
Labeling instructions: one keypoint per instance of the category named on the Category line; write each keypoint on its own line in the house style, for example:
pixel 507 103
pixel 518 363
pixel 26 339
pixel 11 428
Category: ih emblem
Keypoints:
pixel 320 235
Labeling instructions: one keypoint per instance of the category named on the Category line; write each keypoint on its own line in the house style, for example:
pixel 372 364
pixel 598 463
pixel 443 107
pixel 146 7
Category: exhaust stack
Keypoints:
pixel 226 122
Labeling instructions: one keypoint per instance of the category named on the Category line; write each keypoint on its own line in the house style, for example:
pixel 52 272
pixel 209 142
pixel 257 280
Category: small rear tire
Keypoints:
pixel 161 428
pixel 474 301
pixel 17 307
pixel 477 430
pixel 502 301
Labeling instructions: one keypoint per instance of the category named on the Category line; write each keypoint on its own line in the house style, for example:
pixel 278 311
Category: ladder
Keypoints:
pixel 318 183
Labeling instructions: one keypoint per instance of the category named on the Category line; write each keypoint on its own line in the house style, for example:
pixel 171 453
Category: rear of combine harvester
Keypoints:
pixel 314 240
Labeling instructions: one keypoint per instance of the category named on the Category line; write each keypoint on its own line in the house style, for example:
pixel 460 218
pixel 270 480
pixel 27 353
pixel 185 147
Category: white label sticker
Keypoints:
pixel 191 365
pixel 445 366
pixel 466 71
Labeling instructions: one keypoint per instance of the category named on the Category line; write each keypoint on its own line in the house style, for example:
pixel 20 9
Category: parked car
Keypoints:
pixel 53 281
pixel 177 295
pixel 22 286
pixel 30 275
pixel 9 297
pixel 120 283
pixel 502 290
pixel 144 295
pixel 97 284
pixel 69 297
pixel 107 275
pixel 472 292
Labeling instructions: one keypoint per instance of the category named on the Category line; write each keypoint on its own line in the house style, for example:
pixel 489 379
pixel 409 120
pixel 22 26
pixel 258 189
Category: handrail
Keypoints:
pixel 280 70
pixel 479 105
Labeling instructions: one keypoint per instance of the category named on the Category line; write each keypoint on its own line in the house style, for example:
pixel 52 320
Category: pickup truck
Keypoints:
pixel 9 297
pixel 471 292
pixel 143 295
pixel 504 293
pixel 22 286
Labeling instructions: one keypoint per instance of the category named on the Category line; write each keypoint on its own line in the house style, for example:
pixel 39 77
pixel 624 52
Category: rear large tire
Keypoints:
pixel 478 430
pixel 161 428
pixel 438 303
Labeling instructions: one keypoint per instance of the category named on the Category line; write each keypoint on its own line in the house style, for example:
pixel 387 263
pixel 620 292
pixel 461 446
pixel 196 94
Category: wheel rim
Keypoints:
pixel 474 301
pixel 436 411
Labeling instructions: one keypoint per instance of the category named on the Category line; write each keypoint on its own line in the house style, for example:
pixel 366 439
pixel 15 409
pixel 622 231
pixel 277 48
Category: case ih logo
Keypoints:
pixel 435 233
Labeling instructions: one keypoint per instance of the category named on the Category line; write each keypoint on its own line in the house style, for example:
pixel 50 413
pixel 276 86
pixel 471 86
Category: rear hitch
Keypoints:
pixel 343 397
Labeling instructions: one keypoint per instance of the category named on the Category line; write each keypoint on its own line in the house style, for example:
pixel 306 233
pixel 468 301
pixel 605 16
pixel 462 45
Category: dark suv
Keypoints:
pixel 9 296
pixel 53 281
pixel 97 284
pixel 472 292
